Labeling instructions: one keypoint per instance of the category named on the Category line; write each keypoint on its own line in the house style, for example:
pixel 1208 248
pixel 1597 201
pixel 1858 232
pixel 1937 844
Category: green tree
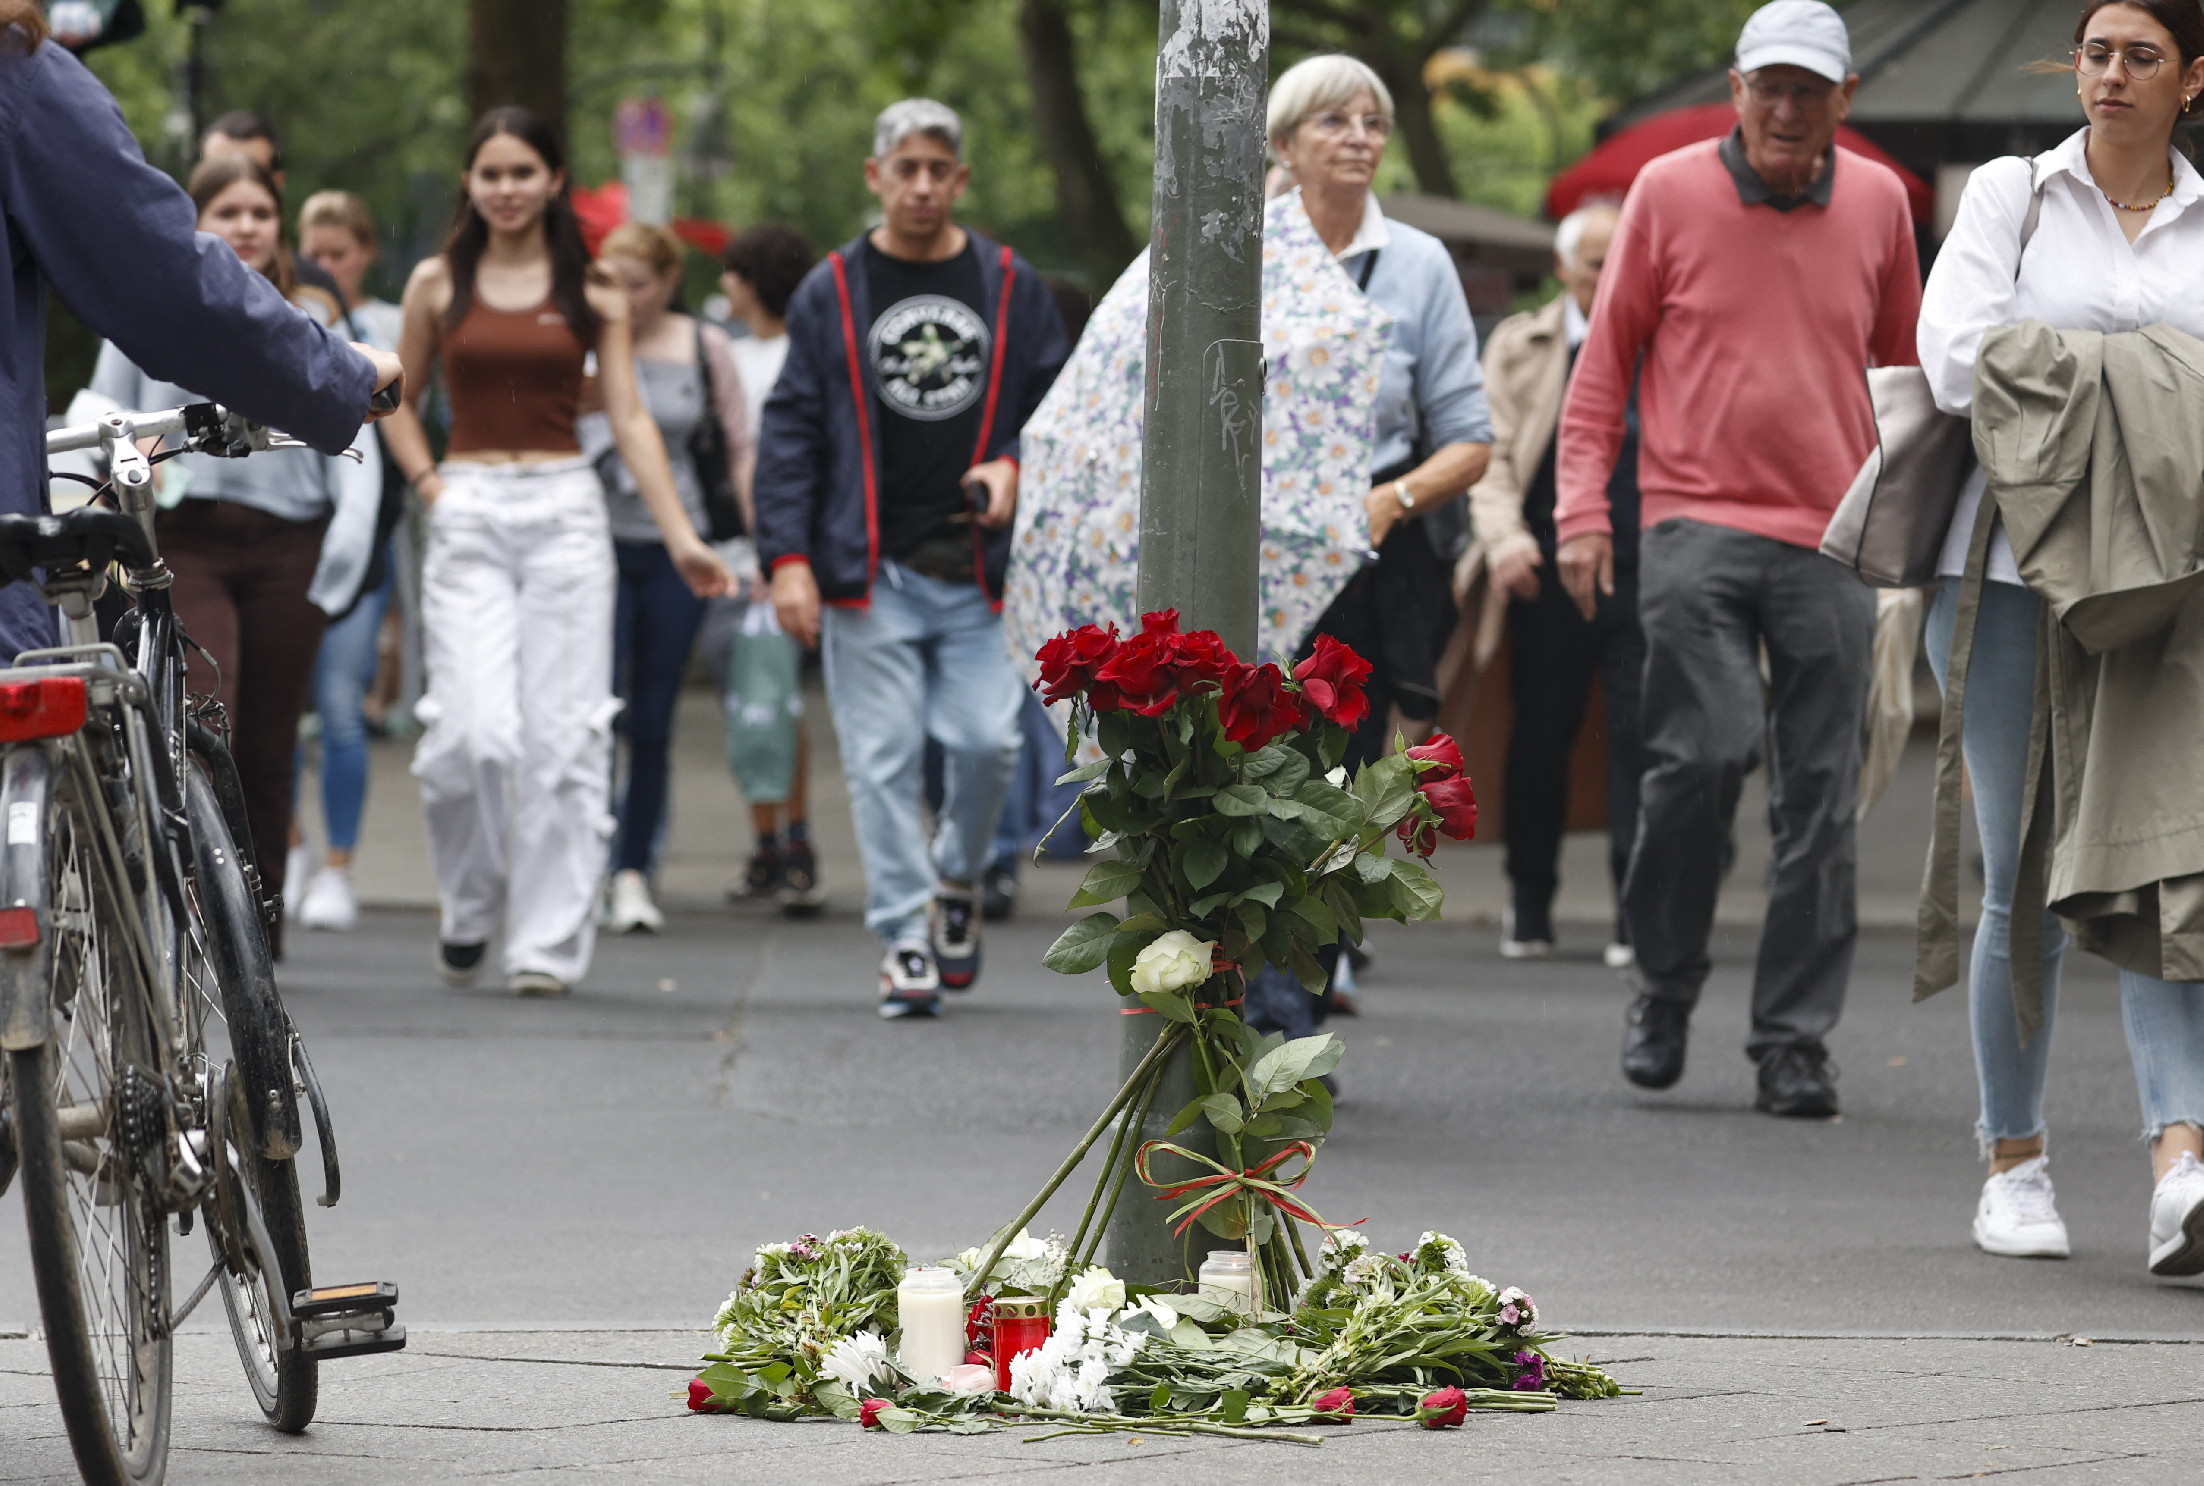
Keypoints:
pixel 1626 48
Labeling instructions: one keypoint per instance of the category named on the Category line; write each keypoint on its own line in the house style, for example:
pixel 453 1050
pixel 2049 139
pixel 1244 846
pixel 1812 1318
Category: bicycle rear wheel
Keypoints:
pixel 225 929
pixel 91 1128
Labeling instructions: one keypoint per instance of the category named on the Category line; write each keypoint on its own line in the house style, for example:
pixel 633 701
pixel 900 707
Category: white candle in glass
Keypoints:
pixel 1228 1277
pixel 929 1305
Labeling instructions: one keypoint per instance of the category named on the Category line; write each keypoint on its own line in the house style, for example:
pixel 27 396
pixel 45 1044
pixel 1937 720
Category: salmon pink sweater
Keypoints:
pixel 1756 327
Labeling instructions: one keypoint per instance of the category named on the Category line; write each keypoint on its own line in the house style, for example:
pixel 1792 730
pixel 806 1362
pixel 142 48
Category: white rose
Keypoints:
pixel 1096 1290
pixel 1024 1246
pixel 1172 963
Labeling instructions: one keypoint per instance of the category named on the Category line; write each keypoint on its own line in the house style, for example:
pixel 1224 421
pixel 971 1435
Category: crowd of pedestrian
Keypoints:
pixel 1641 473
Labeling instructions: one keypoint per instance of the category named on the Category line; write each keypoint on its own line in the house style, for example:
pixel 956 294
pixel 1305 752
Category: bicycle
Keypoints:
pixel 133 925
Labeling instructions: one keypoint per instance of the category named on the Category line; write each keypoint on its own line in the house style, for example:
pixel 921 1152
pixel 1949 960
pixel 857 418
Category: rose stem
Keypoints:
pixel 1139 1122
pixel 1300 1255
pixel 1156 1055
pixel 1125 1126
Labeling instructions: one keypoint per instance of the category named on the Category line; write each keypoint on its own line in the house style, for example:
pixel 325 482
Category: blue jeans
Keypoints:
pixel 343 672
pixel 1036 801
pixel 924 660
pixel 2165 1019
pixel 654 622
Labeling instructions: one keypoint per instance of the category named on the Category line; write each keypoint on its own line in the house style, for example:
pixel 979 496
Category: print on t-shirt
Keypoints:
pixel 929 357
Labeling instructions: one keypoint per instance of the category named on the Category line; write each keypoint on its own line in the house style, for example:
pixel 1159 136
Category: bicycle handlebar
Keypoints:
pixel 135 426
pixel 209 428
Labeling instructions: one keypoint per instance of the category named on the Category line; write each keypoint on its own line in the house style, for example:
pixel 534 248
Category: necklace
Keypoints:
pixel 2146 206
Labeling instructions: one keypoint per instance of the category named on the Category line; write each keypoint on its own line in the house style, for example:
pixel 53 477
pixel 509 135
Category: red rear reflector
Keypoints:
pixel 18 928
pixel 46 708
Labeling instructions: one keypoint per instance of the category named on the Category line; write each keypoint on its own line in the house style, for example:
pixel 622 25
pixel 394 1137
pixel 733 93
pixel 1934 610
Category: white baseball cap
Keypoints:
pixel 1801 33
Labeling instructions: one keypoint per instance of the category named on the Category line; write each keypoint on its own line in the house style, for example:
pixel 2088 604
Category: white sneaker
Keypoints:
pixel 2016 1217
pixel 2177 1219
pixel 1512 948
pixel 631 910
pixel 329 902
pixel 1619 956
pixel 298 869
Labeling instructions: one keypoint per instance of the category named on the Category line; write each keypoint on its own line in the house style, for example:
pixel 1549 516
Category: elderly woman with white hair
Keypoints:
pixel 1329 120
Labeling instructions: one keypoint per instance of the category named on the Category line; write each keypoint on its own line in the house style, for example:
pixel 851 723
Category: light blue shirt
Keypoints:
pixel 1432 380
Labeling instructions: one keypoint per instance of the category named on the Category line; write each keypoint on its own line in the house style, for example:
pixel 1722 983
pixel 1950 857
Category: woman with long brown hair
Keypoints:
pixel 517 590
pixel 264 550
pixel 2104 232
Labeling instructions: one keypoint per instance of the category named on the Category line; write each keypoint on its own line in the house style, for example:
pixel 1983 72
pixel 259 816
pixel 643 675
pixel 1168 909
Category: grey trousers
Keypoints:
pixel 1710 598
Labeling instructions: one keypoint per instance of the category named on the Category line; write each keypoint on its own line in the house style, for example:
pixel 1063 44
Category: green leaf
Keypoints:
pixel 1172 1006
pixel 971 1424
pixel 1083 946
pixel 1319 916
pixel 1204 863
pixel 1124 949
pixel 1265 893
pixel 898 1421
pixel 1263 1127
pixel 1241 799
pixel 1203 907
pixel 1341 812
pixel 1183 1119
pixel 1288 1064
pixel 1253 921
pixel 1086 772
pixel 835 1398
pixel 1224 1113
pixel 1247 836
pixel 1142 923
pixel 1386 788
pixel 1267 761
pixel 1235 1406
pixel 1159 1400
pixel 1308 969
pixel 1106 882
pixel 1418 893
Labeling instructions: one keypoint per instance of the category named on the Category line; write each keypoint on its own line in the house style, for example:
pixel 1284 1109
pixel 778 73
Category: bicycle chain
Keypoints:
pixel 142 1105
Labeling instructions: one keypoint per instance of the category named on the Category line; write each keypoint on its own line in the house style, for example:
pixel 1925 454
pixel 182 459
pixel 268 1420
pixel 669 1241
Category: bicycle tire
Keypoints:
pixel 98 1236
pixel 285 1380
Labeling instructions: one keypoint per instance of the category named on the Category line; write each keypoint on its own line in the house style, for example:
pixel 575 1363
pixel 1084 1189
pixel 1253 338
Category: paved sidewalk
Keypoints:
pixel 549 1407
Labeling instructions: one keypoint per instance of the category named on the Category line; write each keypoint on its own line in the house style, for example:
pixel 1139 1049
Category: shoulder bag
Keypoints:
pixel 1891 524
pixel 715 475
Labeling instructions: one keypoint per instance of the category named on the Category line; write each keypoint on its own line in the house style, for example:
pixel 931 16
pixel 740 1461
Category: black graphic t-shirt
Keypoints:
pixel 929 348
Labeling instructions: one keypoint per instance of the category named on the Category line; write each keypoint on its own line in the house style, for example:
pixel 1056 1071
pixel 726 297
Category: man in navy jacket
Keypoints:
pixel 887 477
pixel 80 208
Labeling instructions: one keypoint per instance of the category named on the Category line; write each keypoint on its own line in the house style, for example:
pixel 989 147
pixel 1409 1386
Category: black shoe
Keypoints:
pixel 762 877
pixel 1799 1082
pixel 459 964
pixel 7 1150
pixel 956 937
pixel 999 893
pixel 1653 1042
pixel 800 893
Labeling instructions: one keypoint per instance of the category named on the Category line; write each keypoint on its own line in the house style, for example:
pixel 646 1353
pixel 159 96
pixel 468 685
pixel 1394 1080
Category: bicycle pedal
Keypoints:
pixel 348 1320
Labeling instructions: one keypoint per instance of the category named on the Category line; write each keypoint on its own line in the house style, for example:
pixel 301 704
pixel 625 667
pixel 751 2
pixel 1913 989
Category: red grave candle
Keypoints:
pixel 1021 1325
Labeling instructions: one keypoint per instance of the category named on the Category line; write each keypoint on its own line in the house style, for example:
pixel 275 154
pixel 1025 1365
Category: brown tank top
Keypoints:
pixel 514 380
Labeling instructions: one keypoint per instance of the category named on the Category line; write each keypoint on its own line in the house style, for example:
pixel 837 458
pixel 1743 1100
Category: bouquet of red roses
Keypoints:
pixel 1230 821
pixel 1234 838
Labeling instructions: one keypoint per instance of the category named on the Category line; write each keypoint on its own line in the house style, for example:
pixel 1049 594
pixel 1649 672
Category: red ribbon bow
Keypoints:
pixel 1208 1191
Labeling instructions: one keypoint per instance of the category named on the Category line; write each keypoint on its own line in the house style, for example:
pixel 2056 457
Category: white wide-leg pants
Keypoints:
pixel 515 764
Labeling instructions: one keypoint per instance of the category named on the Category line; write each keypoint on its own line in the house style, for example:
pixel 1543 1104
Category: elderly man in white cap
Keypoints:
pixel 1756 277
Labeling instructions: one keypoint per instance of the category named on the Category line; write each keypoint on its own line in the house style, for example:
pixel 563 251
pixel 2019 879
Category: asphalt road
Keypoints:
pixel 613 1158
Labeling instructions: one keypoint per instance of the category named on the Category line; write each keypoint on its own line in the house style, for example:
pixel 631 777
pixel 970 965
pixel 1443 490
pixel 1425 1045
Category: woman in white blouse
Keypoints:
pixel 2118 244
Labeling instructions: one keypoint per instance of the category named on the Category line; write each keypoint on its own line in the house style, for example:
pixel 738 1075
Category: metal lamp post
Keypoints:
pixel 1201 460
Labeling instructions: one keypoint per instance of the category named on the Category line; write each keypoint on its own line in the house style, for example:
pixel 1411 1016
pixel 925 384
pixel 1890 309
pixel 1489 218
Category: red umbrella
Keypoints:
pixel 1610 168
pixel 605 207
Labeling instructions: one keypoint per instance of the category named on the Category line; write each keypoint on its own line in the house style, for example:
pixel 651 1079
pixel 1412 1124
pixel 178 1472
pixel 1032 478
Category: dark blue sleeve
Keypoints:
pixel 791 471
pixel 117 239
pixel 1044 346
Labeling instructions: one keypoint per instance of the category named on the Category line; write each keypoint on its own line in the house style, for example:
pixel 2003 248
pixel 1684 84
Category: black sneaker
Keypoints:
pixel 957 937
pixel 800 892
pixel 910 985
pixel 1653 1042
pixel 762 877
pixel 1799 1082
pixel 999 892
pixel 459 964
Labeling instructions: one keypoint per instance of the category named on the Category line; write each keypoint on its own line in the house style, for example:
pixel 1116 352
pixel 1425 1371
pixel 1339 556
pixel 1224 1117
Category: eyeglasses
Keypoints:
pixel 1335 123
pixel 2142 63
pixel 1804 95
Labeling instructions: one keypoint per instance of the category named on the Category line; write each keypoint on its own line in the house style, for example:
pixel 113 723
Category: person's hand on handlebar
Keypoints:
pixel 389 371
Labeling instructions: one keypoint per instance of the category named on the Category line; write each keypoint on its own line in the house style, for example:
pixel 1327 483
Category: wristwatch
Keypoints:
pixel 1407 496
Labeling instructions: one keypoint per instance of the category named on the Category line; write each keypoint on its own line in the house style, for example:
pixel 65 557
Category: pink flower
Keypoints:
pixel 1338 1404
pixel 1446 1407
pixel 869 1412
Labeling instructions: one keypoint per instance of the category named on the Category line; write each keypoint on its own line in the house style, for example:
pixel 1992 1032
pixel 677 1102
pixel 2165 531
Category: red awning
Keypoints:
pixel 1610 168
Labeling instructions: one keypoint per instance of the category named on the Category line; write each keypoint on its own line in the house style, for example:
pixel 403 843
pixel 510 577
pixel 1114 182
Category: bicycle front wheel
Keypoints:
pixel 90 1130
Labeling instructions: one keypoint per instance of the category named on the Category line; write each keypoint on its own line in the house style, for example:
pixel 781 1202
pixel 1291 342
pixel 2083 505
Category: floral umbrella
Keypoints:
pixel 1077 542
